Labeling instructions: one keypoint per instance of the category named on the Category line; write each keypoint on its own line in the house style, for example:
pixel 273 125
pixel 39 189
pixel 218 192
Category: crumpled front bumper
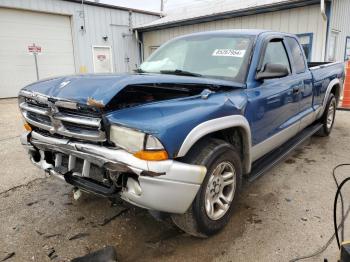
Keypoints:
pixel 171 187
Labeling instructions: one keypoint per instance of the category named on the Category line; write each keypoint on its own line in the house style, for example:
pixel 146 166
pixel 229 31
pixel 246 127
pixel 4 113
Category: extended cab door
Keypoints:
pixel 273 105
pixel 303 76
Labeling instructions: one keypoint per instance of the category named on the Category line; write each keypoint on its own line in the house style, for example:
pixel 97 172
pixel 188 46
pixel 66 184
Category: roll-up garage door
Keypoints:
pixel 20 29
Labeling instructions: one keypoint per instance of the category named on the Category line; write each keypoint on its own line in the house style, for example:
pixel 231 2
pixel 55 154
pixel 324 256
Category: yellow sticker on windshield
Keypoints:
pixel 228 52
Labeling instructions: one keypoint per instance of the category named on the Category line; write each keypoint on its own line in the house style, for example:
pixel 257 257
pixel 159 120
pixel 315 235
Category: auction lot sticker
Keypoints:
pixel 228 52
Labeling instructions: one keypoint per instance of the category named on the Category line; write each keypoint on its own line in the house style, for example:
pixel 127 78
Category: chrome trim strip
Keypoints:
pixel 274 141
pixel 93 136
pixel 94 122
pixel 66 104
pixel 33 109
pixel 99 154
pixel 217 124
pixel 278 139
pixel 35 123
pixel 56 126
pixel 172 191
pixel 309 118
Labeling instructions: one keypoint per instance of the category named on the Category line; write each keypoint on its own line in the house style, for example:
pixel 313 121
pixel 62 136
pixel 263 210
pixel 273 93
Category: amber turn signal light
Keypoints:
pixel 155 155
pixel 27 127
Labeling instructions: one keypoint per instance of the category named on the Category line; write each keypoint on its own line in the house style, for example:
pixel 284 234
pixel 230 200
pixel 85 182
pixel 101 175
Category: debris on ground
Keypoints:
pixel 8 256
pixel 106 254
pixel 52 253
pixel 39 233
pixel 109 219
pixel 32 203
pixel 78 236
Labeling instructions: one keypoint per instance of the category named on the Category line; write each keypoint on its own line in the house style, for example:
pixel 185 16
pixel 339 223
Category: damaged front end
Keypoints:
pixel 168 185
pixel 74 142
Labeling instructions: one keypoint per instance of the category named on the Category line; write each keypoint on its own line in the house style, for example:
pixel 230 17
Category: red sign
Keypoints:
pixel 101 57
pixel 34 49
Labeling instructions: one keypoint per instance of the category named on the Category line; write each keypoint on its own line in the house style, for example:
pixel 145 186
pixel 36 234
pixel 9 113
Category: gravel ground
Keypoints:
pixel 284 214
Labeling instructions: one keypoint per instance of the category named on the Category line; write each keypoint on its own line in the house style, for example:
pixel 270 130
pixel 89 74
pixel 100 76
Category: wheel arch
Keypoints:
pixel 224 128
pixel 335 88
pixel 336 91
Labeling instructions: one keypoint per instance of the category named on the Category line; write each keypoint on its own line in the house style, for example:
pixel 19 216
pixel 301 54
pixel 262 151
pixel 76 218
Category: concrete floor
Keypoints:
pixel 284 214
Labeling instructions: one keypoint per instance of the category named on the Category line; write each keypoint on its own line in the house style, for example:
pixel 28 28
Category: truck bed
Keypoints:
pixel 326 70
pixel 315 64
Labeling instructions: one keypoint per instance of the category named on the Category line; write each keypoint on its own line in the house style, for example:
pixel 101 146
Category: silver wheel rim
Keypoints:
pixel 220 190
pixel 330 114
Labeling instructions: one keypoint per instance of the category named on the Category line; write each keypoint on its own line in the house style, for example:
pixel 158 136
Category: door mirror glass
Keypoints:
pixel 272 71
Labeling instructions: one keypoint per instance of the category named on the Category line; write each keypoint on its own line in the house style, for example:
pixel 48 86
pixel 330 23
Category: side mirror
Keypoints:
pixel 272 71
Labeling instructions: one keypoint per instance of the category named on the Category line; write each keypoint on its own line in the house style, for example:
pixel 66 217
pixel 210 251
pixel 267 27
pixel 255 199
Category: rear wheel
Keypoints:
pixel 213 205
pixel 328 117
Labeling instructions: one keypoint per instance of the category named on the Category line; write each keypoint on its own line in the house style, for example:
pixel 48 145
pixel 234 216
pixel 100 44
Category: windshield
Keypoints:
pixel 218 56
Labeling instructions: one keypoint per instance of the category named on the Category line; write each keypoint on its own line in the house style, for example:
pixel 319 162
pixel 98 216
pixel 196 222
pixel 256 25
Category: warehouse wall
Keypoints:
pixel 297 20
pixel 340 26
pixel 99 22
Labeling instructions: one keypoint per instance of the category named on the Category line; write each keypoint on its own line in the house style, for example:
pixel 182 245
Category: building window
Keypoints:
pixel 306 43
pixel 347 48
pixel 333 43
pixel 152 49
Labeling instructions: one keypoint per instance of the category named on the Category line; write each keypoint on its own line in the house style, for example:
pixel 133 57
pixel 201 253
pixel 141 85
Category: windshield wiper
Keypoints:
pixel 179 72
pixel 139 70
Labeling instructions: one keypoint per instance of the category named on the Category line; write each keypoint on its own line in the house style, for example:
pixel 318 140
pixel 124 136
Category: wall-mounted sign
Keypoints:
pixel 34 49
pixel 102 58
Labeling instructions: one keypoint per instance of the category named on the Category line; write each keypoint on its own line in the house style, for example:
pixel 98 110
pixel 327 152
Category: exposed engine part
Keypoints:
pixel 134 95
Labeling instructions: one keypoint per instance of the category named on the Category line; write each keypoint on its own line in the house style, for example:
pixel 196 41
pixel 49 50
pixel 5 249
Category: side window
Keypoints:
pixel 276 54
pixel 297 54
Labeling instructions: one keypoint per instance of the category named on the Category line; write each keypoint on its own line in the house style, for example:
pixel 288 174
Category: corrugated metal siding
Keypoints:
pixel 297 21
pixel 100 21
pixel 340 21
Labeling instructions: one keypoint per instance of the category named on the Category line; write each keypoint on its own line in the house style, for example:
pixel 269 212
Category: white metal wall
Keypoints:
pixel 340 22
pixel 99 22
pixel 297 20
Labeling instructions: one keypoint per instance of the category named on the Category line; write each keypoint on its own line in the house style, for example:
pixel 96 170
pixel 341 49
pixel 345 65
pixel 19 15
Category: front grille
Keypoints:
pixel 39 118
pixel 82 112
pixel 80 167
pixel 67 122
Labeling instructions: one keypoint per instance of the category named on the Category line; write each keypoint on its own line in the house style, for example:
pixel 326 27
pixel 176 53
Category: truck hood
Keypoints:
pixel 102 88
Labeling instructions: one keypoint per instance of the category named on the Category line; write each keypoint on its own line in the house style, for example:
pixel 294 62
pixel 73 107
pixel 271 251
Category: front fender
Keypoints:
pixel 172 121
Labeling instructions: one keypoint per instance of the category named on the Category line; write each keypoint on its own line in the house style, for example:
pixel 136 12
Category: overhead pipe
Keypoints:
pixel 141 45
pixel 323 10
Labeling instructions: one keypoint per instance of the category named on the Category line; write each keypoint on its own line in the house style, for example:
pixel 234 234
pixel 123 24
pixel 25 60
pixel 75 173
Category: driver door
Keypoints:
pixel 273 105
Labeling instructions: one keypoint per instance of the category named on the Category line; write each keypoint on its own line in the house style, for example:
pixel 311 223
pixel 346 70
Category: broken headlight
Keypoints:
pixel 142 145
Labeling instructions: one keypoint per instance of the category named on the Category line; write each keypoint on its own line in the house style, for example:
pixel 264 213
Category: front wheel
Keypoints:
pixel 328 117
pixel 213 205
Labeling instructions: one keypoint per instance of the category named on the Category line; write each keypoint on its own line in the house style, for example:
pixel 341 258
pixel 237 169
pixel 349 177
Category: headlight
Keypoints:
pixel 142 145
pixel 127 138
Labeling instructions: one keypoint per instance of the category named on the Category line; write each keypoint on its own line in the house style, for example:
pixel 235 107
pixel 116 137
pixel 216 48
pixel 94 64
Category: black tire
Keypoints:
pixel 212 153
pixel 331 107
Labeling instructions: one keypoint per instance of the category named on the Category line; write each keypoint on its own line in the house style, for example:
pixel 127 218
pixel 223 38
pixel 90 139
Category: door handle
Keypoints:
pixel 296 90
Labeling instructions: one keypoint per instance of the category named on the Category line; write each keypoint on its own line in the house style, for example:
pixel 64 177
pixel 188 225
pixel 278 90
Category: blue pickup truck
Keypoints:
pixel 180 134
